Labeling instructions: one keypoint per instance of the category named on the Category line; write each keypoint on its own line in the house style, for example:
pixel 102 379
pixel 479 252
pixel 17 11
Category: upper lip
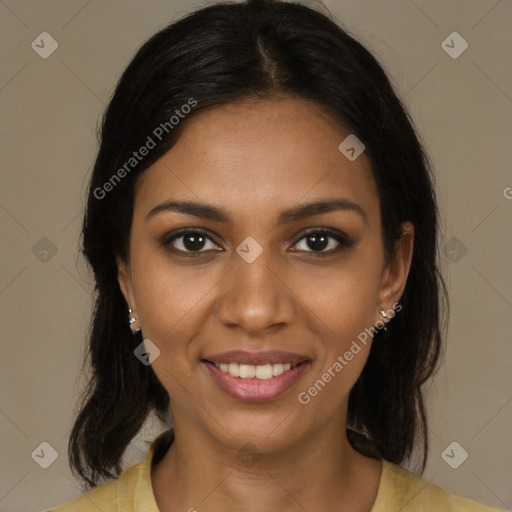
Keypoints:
pixel 257 358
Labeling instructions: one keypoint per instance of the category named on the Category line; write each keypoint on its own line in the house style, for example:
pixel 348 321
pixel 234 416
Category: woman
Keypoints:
pixel 260 210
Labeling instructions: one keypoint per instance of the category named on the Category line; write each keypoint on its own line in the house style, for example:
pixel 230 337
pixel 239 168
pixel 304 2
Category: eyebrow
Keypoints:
pixel 211 212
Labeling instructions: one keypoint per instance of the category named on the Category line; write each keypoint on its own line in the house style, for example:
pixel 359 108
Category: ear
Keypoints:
pixel 124 277
pixel 394 276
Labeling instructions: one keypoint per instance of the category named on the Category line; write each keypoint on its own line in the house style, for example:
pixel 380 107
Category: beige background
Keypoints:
pixel 50 110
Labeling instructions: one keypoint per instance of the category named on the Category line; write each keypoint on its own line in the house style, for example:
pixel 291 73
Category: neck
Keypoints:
pixel 322 473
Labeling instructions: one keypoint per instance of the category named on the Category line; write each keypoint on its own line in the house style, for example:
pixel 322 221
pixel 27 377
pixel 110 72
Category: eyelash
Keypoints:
pixel 342 239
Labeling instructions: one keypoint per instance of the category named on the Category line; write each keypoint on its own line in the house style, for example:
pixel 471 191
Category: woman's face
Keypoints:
pixel 253 288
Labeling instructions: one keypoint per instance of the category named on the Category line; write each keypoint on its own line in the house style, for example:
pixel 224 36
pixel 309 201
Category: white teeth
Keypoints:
pixel 234 369
pixel 250 371
pixel 247 371
pixel 264 371
pixel 277 369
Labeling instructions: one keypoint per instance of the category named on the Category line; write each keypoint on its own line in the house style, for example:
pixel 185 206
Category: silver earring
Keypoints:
pixel 132 320
pixel 383 314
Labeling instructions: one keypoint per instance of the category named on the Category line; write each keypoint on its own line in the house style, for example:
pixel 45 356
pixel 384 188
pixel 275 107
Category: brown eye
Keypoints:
pixel 188 241
pixel 320 240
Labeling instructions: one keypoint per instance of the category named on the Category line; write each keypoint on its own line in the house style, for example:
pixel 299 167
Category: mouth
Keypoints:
pixel 256 377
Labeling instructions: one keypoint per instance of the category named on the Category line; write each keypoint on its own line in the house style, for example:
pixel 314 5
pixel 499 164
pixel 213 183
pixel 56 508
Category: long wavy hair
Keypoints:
pixel 254 50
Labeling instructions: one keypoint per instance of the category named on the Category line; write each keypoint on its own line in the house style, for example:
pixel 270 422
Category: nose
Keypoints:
pixel 257 297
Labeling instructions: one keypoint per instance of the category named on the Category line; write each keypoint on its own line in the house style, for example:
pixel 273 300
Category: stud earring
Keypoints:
pixel 383 314
pixel 132 320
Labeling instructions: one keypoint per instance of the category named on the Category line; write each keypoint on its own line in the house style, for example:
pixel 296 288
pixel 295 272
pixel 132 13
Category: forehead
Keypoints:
pixel 259 157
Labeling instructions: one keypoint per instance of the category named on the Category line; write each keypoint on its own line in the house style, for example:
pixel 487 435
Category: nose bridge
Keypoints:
pixel 255 296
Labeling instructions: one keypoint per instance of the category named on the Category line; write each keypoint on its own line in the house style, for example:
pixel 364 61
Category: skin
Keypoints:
pixel 254 160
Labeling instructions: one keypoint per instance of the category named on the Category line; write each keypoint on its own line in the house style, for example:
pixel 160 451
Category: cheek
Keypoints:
pixel 167 294
pixel 348 310
pixel 347 306
pixel 170 303
pixel 345 300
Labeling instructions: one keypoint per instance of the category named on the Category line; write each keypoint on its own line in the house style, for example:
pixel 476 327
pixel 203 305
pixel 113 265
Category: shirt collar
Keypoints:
pixel 143 498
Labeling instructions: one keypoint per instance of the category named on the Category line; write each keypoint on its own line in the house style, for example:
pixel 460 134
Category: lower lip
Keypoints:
pixel 256 390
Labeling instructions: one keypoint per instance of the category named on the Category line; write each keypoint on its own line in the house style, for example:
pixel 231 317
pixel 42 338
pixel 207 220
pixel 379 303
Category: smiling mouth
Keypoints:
pixel 251 371
pixel 256 383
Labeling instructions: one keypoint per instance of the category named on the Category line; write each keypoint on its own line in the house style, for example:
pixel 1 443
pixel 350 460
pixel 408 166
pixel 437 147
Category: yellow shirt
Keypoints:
pixel 399 490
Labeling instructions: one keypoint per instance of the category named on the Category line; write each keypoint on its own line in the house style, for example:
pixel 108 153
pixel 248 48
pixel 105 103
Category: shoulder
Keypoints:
pixel 106 497
pixel 402 490
pixel 130 492
pixel 100 498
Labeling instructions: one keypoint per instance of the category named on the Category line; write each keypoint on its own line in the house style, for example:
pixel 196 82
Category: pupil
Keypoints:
pixel 319 241
pixel 190 245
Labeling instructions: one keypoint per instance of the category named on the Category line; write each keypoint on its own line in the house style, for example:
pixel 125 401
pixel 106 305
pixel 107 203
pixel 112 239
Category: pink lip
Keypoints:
pixel 257 358
pixel 255 390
